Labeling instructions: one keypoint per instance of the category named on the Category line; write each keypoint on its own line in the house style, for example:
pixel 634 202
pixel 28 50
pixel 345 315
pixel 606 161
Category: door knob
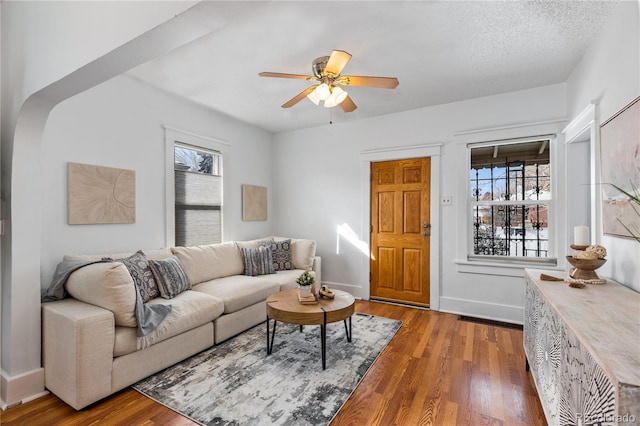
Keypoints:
pixel 425 233
pixel 425 224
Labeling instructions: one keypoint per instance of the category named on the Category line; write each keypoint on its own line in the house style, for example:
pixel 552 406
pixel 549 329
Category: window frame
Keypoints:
pixel 216 172
pixel 172 136
pixel 550 203
pixel 207 150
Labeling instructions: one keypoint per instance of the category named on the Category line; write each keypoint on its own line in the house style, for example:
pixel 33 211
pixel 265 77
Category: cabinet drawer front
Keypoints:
pixel 564 341
pixel 587 394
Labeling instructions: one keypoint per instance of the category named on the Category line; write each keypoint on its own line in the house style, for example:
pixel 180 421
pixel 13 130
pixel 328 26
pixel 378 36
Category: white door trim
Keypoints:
pixel 401 153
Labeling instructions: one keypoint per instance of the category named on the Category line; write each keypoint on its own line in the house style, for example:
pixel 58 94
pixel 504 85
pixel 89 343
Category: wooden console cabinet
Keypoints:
pixel 583 350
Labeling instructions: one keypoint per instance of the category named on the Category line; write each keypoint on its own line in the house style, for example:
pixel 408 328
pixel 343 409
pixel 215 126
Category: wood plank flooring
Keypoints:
pixel 437 370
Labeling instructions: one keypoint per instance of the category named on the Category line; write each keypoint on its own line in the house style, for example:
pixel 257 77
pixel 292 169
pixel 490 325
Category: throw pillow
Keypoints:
pixel 170 276
pixel 281 254
pixel 138 267
pixel 253 243
pixel 302 253
pixel 257 261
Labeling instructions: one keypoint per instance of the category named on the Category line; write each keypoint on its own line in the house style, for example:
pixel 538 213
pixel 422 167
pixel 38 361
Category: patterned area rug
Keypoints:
pixel 236 383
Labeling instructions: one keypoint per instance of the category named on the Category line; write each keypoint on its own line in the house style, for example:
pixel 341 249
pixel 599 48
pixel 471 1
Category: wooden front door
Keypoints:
pixel 400 230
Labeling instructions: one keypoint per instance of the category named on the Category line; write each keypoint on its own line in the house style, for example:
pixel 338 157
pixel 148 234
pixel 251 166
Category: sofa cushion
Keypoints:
pixel 138 267
pixel 281 253
pixel 302 252
pixel 189 310
pixel 208 262
pixel 170 276
pixel 287 279
pixel 257 261
pixel 253 243
pixel 239 291
pixel 161 253
pixel 107 285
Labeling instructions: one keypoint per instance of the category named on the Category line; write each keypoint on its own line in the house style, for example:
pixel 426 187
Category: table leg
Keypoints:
pixel 273 335
pixel 323 334
pixel 268 335
pixel 323 344
pixel 348 329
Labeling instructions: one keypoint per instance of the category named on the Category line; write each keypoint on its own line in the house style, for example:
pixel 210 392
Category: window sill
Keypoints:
pixel 501 267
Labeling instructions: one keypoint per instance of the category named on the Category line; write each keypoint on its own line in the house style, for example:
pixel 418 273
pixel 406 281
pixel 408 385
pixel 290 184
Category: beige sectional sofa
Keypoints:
pixel 90 343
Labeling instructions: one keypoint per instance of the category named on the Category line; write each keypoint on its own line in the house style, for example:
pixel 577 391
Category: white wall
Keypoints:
pixel 51 52
pixel 42 42
pixel 1 103
pixel 319 172
pixel 60 37
pixel 578 186
pixel 120 124
pixel 317 177
pixel 609 75
pixel 46 41
pixel 38 51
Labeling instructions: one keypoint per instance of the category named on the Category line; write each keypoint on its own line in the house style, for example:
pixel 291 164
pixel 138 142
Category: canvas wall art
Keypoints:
pixel 620 166
pixel 98 195
pixel 254 202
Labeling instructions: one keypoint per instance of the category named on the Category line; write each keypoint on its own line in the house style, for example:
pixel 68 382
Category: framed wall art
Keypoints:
pixel 98 195
pixel 254 202
pixel 620 167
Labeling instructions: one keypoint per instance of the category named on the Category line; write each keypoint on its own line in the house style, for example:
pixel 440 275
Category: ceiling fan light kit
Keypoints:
pixel 322 91
pixel 326 71
pixel 313 97
pixel 337 96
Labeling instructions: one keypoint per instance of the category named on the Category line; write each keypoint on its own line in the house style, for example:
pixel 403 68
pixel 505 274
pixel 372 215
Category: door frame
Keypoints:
pixel 402 153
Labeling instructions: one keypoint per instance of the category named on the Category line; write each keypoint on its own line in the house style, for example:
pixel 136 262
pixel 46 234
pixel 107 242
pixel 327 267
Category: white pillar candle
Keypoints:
pixel 581 235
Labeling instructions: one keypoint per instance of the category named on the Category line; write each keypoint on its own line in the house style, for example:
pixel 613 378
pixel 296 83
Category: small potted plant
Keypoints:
pixel 305 281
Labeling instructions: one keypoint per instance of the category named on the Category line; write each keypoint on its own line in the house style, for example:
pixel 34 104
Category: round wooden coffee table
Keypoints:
pixel 285 307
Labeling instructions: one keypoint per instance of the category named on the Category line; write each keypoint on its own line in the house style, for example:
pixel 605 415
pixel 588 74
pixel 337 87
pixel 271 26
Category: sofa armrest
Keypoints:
pixel 77 344
pixel 316 267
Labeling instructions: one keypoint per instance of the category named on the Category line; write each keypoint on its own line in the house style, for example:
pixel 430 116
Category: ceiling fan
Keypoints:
pixel 326 72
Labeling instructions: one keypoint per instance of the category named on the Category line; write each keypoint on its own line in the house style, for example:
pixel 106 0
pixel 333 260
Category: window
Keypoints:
pixel 198 195
pixel 510 183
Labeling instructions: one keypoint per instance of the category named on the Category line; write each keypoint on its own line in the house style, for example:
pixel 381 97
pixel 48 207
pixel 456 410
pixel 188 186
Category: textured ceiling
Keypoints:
pixel 440 51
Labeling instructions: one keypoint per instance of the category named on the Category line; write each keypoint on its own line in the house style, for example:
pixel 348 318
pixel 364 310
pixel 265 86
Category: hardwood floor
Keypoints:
pixel 437 370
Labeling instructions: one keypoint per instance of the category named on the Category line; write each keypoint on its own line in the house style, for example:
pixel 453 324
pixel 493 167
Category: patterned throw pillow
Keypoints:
pixel 257 261
pixel 138 267
pixel 170 276
pixel 281 253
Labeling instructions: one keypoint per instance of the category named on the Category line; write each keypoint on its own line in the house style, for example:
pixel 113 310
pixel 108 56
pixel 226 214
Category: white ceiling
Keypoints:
pixel 440 51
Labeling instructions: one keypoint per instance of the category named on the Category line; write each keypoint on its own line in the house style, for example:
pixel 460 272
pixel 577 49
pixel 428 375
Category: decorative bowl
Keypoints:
pixel 584 269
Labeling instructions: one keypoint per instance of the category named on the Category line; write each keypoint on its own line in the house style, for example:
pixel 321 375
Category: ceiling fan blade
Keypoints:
pixel 284 75
pixel 336 63
pixel 347 105
pixel 297 98
pixel 359 80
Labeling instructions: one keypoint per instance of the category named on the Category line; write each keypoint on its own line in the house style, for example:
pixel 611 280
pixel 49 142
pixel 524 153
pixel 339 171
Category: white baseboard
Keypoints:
pixel 358 291
pixel 490 311
pixel 21 388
